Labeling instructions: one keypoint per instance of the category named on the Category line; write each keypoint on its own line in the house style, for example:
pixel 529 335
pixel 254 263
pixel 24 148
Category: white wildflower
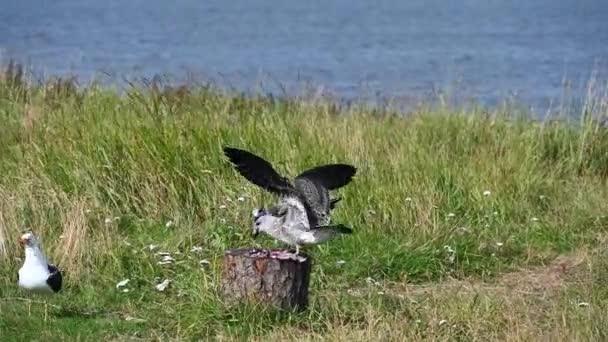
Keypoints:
pixel 241 199
pixel 340 262
pixel 204 262
pixel 88 211
pixel 223 206
pixel 583 304
pixel 371 281
pixel 487 193
pixel 122 283
pixel 167 258
pixel 535 219
pixel 408 199
pixel 442 322
pixel 169 224
pixel 196 249
pixel 162 286
pixel 451 254
pixel 451 215
pixel 134 319
pixel 152 247
pixel 499 244
pixel 108 220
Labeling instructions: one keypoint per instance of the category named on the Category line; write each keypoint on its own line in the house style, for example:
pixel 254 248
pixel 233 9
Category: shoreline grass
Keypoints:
pixel 440 197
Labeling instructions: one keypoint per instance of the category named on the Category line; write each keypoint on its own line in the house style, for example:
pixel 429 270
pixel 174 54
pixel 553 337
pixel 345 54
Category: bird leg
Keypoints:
pixel 46 310
pixel 297 249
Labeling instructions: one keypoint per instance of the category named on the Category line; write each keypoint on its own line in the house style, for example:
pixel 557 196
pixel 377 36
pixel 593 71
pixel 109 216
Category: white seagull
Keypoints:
pixel 302 216
pixel 37 275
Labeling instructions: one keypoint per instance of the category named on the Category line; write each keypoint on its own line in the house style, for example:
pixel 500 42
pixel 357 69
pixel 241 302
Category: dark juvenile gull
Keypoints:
pixel 37 275
pixel 302 216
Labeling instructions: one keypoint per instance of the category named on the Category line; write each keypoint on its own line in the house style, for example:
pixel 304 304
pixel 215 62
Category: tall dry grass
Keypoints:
pixel 440 196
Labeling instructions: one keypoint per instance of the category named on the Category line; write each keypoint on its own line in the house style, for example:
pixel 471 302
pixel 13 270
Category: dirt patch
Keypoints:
pixel 529 304
pixel 557 274
pixel 537 280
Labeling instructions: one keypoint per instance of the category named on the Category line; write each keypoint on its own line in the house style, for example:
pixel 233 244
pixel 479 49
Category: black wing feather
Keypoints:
pixel 258 171
pixel 55 279
pixel 331 176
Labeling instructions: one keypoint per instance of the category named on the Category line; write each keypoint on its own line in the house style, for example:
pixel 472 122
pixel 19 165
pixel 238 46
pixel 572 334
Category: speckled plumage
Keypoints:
pixel 288 222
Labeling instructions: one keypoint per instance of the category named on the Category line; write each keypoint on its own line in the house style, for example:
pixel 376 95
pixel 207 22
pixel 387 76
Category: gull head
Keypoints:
pixel 28 239
pixel 257 214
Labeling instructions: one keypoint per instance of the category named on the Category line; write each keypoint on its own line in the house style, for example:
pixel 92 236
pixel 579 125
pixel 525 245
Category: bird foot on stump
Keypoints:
pixel 283 254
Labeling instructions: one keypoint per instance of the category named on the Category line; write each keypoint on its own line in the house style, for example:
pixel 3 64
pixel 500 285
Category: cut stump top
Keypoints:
pixel 279 254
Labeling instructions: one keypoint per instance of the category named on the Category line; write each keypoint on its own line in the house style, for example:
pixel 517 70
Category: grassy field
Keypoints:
pixel 468 225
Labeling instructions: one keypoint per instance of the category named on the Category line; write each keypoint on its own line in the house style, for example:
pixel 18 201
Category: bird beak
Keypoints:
pixel 22 242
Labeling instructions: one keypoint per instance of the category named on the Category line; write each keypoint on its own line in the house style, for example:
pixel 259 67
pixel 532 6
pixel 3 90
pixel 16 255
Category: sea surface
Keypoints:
pixel 534 51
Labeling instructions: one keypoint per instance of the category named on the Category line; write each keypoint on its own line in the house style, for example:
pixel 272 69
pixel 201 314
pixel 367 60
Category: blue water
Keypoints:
pixel 486 49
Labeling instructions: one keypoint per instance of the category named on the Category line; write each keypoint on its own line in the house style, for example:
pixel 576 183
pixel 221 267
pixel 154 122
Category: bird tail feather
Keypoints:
pixel 333 202
pixel 334 228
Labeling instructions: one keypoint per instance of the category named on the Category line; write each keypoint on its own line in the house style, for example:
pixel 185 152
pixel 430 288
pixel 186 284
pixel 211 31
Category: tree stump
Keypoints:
pixel 275 277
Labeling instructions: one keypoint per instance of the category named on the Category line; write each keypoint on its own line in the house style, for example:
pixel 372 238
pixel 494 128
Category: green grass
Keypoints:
pixel 71 159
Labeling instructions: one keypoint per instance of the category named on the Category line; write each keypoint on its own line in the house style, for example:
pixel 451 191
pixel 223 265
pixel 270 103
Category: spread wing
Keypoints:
pixel 315 198
pixel 314 185
pixel 331 176
pixel 258 171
